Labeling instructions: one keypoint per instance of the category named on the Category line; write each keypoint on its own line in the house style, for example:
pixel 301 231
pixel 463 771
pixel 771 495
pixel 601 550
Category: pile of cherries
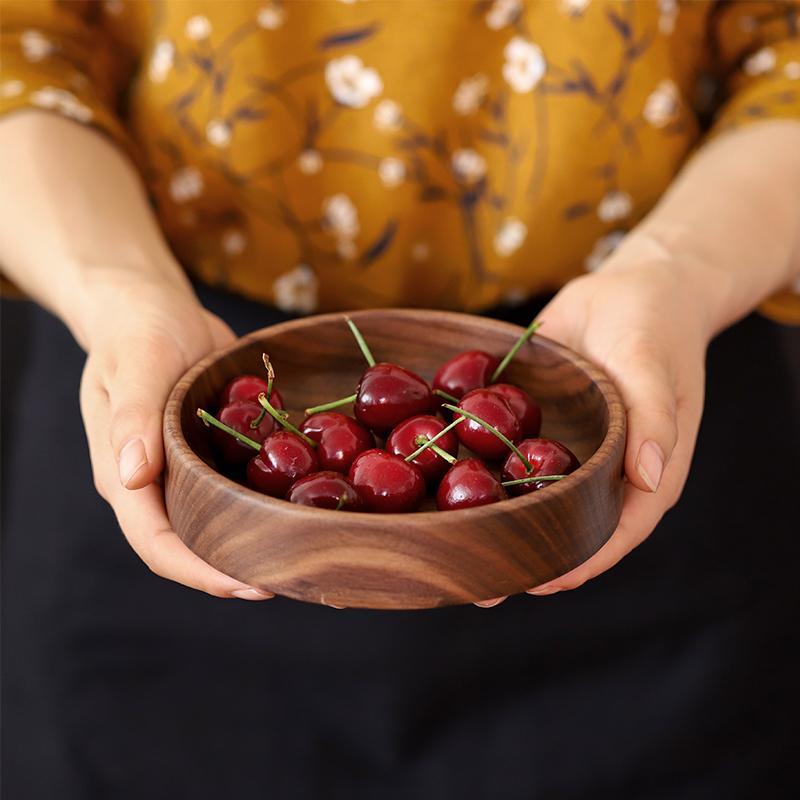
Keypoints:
pixel 332 460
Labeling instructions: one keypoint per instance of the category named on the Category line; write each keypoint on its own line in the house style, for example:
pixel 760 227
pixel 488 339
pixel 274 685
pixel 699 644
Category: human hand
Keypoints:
pixel 140 340
pixel 641 322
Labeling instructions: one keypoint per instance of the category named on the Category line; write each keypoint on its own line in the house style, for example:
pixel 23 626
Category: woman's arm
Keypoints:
pixel 77 234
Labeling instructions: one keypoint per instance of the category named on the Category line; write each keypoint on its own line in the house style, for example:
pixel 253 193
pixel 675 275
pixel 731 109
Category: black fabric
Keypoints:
pixel 672 676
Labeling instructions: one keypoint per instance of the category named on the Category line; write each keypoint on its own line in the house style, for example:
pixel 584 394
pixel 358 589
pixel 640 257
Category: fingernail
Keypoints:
pixel 495 601
pixel 252 594
pixel 540 591
pixel 132 458
pixel 338 608
pixel 650 464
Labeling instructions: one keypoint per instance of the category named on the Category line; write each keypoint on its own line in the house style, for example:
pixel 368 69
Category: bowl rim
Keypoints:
pixel 174 436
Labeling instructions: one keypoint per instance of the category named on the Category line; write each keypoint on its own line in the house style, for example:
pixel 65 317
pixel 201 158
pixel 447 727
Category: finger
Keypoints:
pixel 495 601
pixel 141 514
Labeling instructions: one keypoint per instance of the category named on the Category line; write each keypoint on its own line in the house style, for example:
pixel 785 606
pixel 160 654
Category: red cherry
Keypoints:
pixel 547 456
pixel 491 408
pixel 340 439
pixel 402 442
pixel 387 394
pixel 248 387
pixel 325 490
pixel 469 370
pixel 238 415
pixel 525 408
pixel 386 483
pixel 283 459
pixel 467 484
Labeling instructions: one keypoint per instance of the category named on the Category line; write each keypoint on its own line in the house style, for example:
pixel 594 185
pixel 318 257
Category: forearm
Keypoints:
pixel 76 227
pixel 730 223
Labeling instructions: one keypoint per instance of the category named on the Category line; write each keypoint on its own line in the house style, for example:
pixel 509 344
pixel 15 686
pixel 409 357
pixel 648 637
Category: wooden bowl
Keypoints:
pixel 396 561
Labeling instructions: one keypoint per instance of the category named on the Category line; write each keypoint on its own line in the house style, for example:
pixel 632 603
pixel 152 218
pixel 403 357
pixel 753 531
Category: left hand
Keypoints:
pixel 641 323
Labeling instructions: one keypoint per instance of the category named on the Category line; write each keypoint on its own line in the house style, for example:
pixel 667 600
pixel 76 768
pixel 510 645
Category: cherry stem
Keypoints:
pixel 428 443
pixel 270 380
pixel 209 419
pixel 533 479
pixel 361 342
pixel 278 417
pixel 351 398
pixel 527 333
pixel 343 500
pixel 491 428
pixel 449 397
pixel 432 440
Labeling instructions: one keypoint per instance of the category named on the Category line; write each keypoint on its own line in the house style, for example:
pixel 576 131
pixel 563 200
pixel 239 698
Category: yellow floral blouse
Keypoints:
pixel 454 154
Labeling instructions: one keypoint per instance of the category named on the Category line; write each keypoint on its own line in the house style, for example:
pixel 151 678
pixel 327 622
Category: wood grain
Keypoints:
pixel 397 561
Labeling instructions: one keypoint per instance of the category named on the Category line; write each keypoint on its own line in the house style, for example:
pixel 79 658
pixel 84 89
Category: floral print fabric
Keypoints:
pixel 329 154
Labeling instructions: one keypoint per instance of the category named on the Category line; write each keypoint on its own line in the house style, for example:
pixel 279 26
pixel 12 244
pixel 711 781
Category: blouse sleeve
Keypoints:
pixel 755 50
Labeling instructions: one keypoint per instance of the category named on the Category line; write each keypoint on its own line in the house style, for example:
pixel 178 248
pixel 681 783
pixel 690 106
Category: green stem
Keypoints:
pixel 343 499
pixel 270 380
pixel 209 419
pixel 351 398
pixel 502 437
pixel 450 459
pixel 449 397
pixel 433 439
pixel 533 479
pixel 284 423
pixel 527 333
pixel 361 342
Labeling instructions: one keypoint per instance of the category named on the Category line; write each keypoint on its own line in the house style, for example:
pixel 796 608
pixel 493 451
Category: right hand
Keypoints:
pixel 140 341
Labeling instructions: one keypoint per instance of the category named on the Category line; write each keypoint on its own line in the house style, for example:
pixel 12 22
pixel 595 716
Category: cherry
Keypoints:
pixel 387 394
pixel 467 484
pixel 494 410
pixel 407 437
pixel 238 415
pixel 283 459
pixel 547 457
pixel 387 484
pixel 326 490
pixel 248 387
pixel 339 439
pixel 464 372
pixel 525 408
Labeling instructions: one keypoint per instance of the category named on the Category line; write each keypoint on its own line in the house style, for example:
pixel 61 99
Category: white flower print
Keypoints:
pixel 271 16
pixel 573 8
pixel 35 46
pixel 219 132
pixel 341 216
pixel 662 105
pixel 760 62
pixel 392 172
pixel 515 296
pixel 502 13
pixel 470 93
pixel 524 65
pixel 161 61
pixel 62 101
pixel 12 88
pixel 388 116
pixel 198 28
pixel 233 242
pixel 186 184
pixel 468 165
pixel 510 236
pixel 614 206
pixel 421 251
pixel 351 83
pixel 668 15
pixel 602 249
pixel 309 162
pixel 792 70
pixel 297 290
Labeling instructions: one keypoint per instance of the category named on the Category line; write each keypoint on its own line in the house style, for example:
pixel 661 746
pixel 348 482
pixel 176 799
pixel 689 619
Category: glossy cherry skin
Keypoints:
pixel 284 459
pixel 547 456
pixel 238 415
pixel 491 408
pixel 325 490
pixel 386 483
pixel 248 387
pixel 467 484
pixel 339 438
pixel 387 394
pixel 525 408
pixel 402 442
pixel 469 370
